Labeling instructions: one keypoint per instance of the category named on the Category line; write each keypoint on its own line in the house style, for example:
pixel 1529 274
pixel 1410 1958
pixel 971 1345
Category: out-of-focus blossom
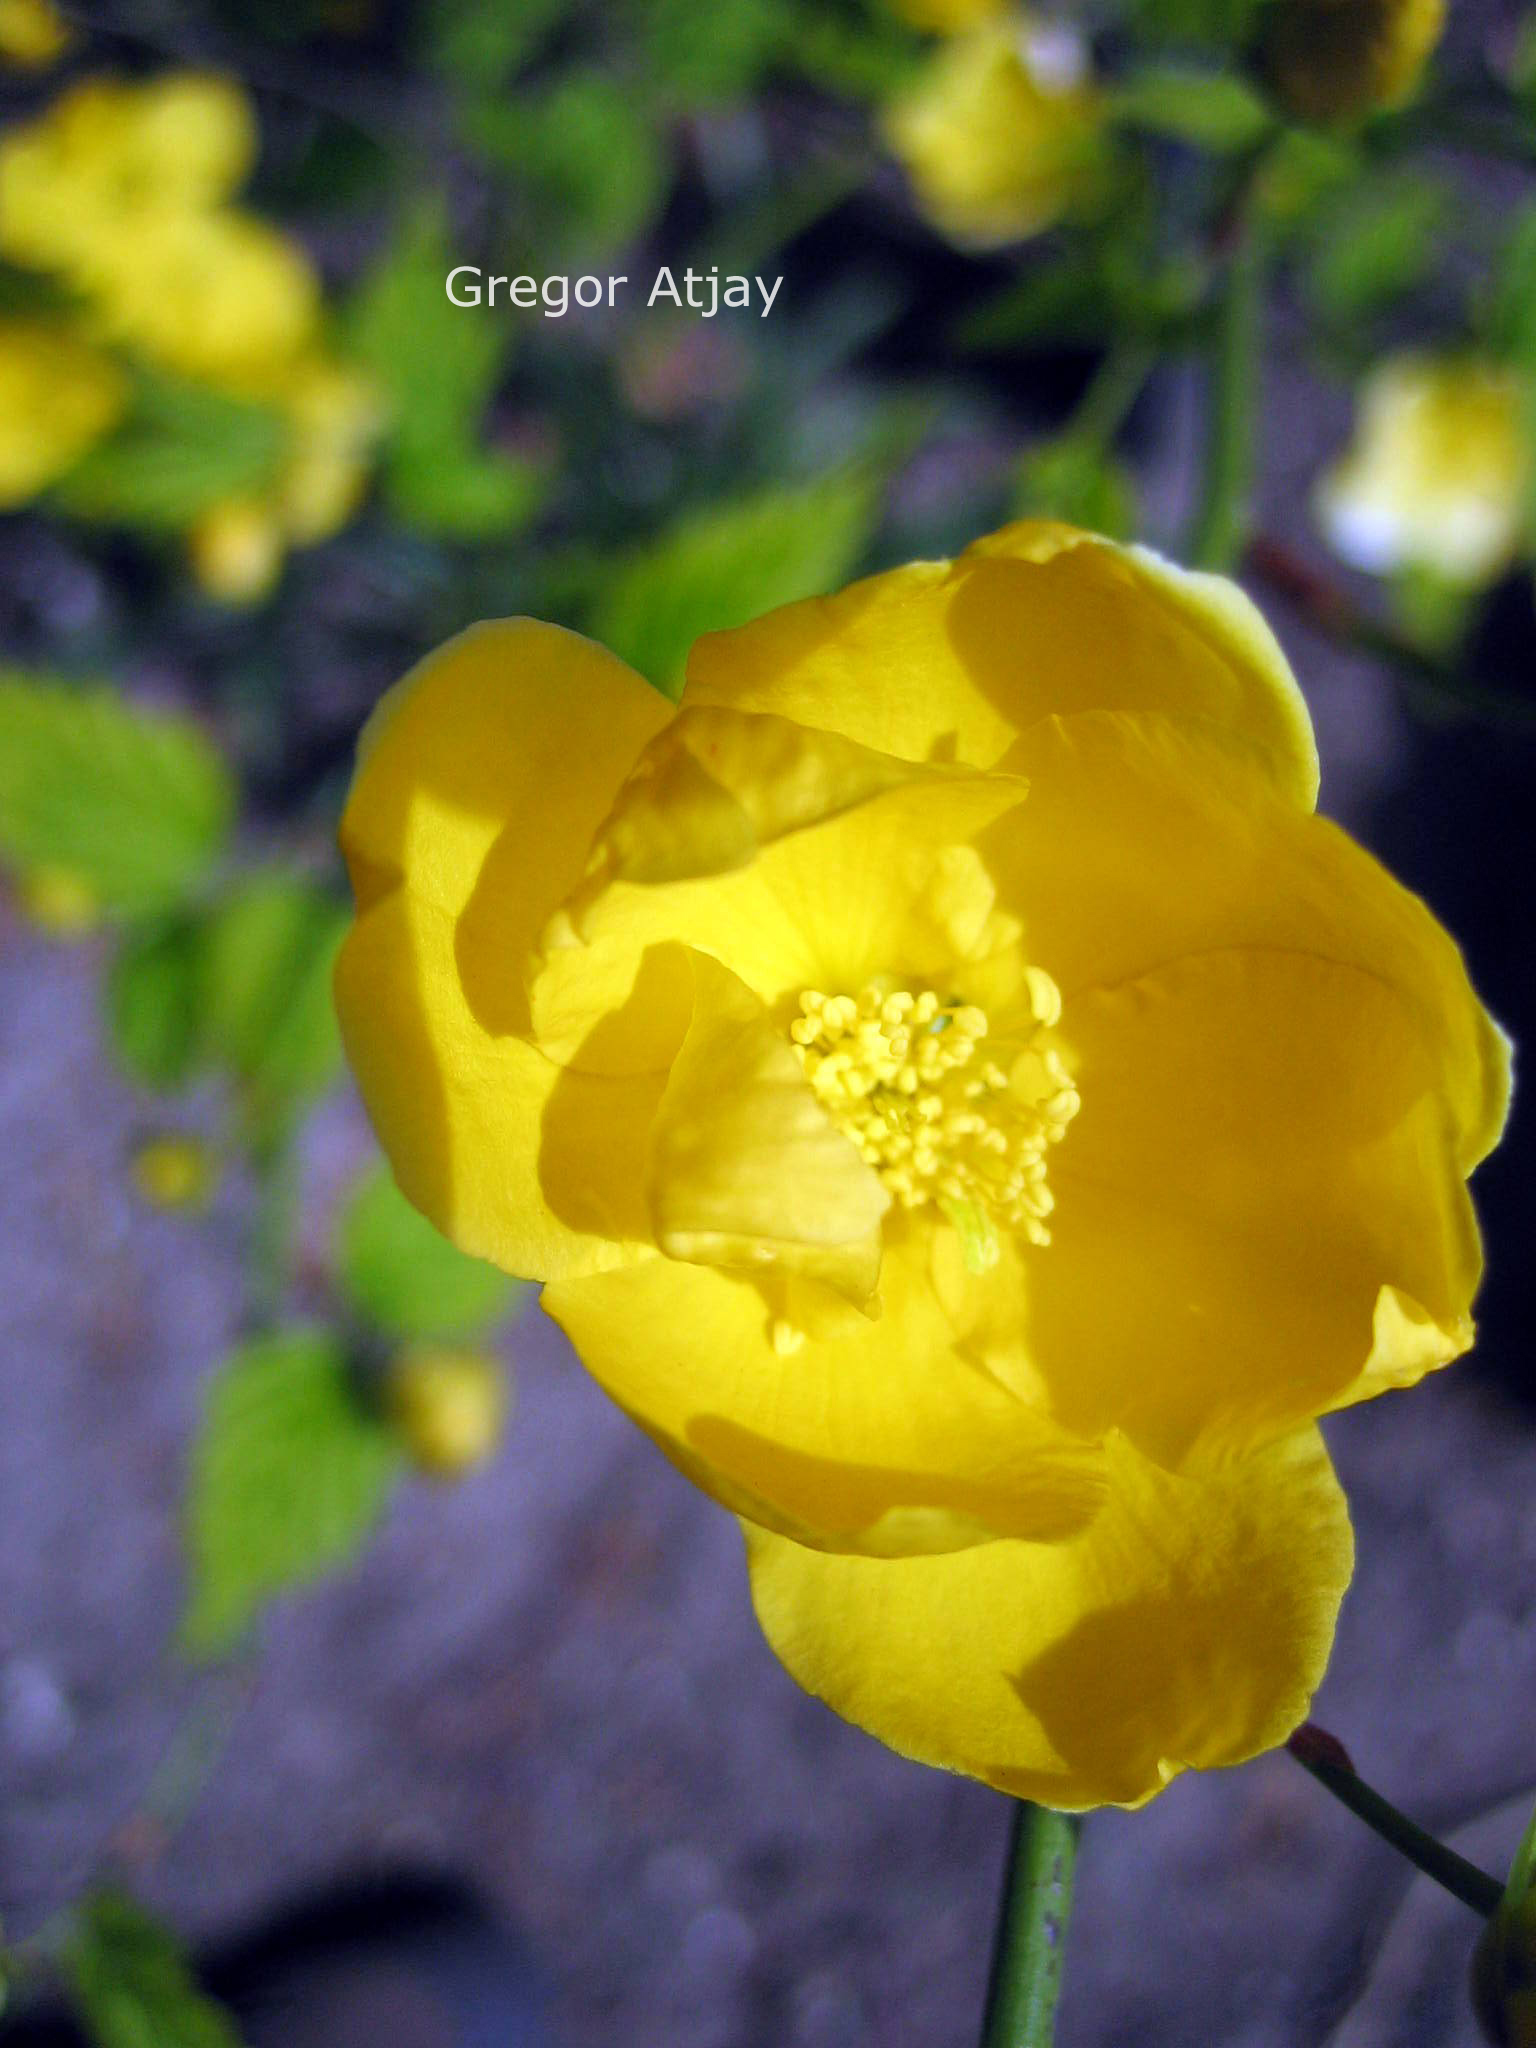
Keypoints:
pixel 33 34
pixel 1001 134
pixel 58 396
pixel 58 901
pixel 171 1171
pixel 1338 60
pixel 948 17
pixel 235 549
pixel 963 1102
pixel 449 1406
pixel 1438 475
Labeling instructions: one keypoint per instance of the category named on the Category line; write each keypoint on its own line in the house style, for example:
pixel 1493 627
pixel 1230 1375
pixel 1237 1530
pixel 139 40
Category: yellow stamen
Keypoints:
pixel 904 1076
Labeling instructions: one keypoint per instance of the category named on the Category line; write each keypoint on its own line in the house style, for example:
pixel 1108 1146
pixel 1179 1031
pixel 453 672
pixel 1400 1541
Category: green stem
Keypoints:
pixel 1031 1929
pixel 1116 386
pixel 1325 1757
pixel 1221 527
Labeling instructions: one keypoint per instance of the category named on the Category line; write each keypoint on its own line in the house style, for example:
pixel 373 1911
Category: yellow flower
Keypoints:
pixel 33 34
pixel 964 1104
pixel 948 17
pixel 449 1406
pixel 57 397
pixel 1000 135
pixel 214 295
pixel 59 901
pixel 109 159
pixel 337 416
pixel 173 1172
pixel 1439 474
pixel 236 550
pixel 1337 60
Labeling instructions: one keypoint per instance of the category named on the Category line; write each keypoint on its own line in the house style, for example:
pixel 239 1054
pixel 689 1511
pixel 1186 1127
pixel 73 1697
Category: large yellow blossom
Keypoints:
pixel 1000 134
pixel 963 1103
pixel 1438 475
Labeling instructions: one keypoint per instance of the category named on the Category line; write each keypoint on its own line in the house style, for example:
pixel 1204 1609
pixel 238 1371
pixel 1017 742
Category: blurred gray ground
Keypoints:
pixel 548 1679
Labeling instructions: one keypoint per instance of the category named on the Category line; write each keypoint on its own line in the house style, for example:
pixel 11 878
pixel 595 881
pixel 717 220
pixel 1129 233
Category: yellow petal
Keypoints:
pixel 746 1168
pixel 795 859
pixel 951 661
pixel 1262 1147
pixel 878 1437
pixel 1185 1628
pixel 517 1160
pixel 457 855
pixel 1146 839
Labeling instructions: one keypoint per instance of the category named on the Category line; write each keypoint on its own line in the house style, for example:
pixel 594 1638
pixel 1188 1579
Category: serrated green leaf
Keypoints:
pixel 403 1275
pixel 153 1002
pixel 290 1472
pixel 725 564
pixel 439 365
pixel 132 1984
pixel 182 448
pixel 267 951
pixel 136 804
pixel 1212 110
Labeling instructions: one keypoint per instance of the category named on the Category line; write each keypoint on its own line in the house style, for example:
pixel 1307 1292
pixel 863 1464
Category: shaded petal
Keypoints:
pixel 1145 839
pixel 480 780
pixel 517 1160
pixel 1185 1628
pixel 745 1166
pixel 875 1437
pixel 1262 1147
pixel 948 661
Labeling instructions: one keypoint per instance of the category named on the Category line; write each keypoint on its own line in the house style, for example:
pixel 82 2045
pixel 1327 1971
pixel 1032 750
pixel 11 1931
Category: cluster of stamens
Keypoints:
pixel 942 1113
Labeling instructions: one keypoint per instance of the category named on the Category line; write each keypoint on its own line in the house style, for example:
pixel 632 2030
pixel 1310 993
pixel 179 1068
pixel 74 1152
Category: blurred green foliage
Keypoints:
pixel 131 1982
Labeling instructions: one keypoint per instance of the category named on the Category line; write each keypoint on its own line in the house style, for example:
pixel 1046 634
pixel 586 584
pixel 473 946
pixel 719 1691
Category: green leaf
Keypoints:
pixel 1198 24
pixel 290 1472
pixel 136 804
pixel 1210 109
pixel 725 564
pixel 479 46
pixel 132 1984
pixel 745 38
pixel 1512 314
pixel 591 157
pixel 402 1274
pixel 267 952
pixel 1074 480
pixel 439 365
pixel 182 448
pixel 153 1002
pixel 1380 242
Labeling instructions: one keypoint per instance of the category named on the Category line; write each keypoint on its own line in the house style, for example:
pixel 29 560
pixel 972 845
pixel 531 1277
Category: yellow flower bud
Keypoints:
pixel 57 396
pixel 174 1172
pixel 33 34
pixel 449 1406
pixel 947 17
pixel 59 901
pixel 1437 476
pixel 1338 60
pixel 1000 134
pixel 236 550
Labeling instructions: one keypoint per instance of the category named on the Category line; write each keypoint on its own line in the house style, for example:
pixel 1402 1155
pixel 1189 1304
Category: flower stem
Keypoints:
pixel 1325 1757
pixel 1221 526
pixel 1031 1929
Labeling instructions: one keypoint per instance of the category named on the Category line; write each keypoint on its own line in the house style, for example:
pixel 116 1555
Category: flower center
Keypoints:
pixel 941 1111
